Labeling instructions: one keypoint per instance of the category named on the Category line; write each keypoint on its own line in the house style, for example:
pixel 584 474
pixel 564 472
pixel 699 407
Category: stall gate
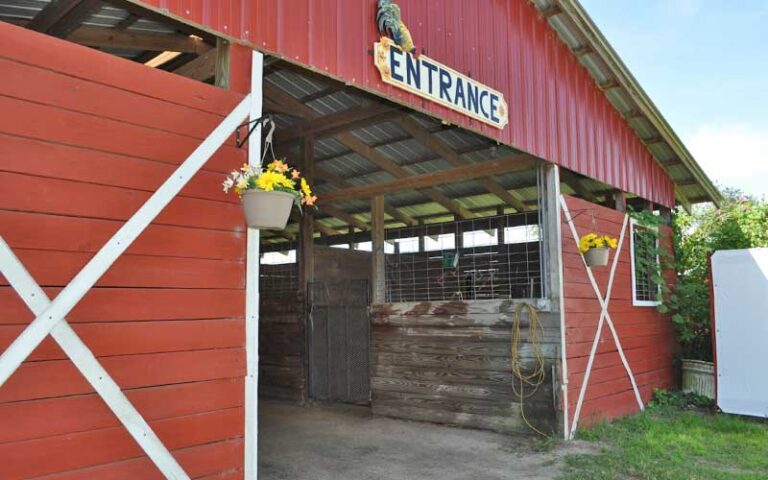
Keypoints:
pixel 339 332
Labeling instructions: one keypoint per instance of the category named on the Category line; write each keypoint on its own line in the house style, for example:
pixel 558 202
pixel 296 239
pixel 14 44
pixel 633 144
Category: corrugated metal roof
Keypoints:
pixel 557 112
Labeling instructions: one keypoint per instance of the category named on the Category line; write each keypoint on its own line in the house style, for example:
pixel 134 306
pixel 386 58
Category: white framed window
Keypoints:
pixel 364 246
pixel 407 245
pixel 443 241
pixel 480 238
pixel 645 290
pixel 522 234
pixel 278 258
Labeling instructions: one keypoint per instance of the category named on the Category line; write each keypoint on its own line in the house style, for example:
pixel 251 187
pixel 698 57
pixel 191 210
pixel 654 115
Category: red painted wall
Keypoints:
pixel 84 139
pixel 647 337
pixel 556 110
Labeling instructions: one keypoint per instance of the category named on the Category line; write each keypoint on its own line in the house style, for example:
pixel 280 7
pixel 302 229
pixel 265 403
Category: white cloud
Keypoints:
pixel 733 155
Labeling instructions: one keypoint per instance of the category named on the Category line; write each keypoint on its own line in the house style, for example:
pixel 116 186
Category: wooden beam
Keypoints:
pixel 344 216
pixel 378 274
pixel 342 121
pixel 130 40
pixel 416 182
pixel 340 183
pixel 551 11
pixel 307 224
pixel 652 140
pixel 620 201
pixel 51 14
pixel 583 51
pixel 364 150
pixel 157 15
pixel 321 93
pixel 682 199
pixel 609 85
pixel 578 186
pixel 451 156
pixel 202 68
pixel 127 22
pixel 221 67
pixel 74 18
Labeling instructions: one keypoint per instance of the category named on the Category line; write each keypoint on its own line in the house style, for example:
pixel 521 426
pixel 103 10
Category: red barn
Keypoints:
pixel 140 319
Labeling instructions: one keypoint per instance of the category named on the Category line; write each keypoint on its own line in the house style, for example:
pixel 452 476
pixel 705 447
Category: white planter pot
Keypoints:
pixel 267 210
pixel 597 257
pixel 699 378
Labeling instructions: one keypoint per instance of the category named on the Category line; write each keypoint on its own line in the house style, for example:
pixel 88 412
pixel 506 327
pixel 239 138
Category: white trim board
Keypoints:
pixel 252 265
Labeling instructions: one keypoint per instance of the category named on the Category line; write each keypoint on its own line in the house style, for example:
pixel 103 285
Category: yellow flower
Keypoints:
pixel 305 188
pixel 267 181
pixel 277 166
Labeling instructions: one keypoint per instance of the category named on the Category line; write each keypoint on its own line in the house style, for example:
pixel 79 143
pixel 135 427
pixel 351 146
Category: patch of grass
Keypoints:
pixel 674 439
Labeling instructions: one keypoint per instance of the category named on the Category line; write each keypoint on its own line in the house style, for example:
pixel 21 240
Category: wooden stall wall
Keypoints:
pixel 85 138
pixel 450 362
pixel 282 348
pixel 646 336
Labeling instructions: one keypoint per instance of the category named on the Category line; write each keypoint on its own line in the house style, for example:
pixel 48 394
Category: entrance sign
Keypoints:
pixel 436 82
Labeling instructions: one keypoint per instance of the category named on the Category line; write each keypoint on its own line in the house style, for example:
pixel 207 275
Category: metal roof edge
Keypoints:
pixel 578 15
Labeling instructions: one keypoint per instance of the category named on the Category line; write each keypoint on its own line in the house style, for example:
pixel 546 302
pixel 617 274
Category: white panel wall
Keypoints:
pixel 741 325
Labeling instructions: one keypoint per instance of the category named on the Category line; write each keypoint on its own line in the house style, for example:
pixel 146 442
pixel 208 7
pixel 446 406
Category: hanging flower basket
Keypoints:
pixel 268 194
pixel 267 210
pixel 597 257
pixel 596 249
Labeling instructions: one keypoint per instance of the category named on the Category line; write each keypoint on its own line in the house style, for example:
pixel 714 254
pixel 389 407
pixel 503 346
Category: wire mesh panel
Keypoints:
pixel 279 275
pixel 339 341
pixel 490 258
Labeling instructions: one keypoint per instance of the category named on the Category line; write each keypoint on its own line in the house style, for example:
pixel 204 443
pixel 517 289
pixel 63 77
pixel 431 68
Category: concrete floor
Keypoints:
pixel 340 443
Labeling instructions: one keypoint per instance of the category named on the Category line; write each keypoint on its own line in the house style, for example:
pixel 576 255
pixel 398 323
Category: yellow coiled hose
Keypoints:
pixel 535 376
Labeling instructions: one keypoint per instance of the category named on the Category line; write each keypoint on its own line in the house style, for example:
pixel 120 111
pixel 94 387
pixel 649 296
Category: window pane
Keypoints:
pixel 407 245
pixel 444 241
pixel 344 246
pixel 278 258
pixel 364 246
pixel 480 238
pixel 646 263
pixel 521 234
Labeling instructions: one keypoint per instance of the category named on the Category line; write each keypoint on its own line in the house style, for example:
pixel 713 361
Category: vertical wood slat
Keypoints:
pixel 377 238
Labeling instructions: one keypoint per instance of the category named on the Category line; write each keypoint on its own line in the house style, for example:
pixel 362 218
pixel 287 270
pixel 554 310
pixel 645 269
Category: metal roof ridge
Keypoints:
pixel 601 47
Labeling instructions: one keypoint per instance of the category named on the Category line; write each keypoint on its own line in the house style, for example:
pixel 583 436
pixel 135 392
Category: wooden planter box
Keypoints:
pixel 699 378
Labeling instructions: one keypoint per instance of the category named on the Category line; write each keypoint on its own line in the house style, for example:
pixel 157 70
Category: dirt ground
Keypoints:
pixel 340 443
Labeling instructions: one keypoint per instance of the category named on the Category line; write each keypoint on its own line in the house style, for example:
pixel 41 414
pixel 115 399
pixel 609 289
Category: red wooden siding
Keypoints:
pixel 647 337
pixel 85 138
pixel 557 112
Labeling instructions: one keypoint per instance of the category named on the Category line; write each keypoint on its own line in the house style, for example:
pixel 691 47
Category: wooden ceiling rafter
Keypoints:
pixel 454 158
pixel 341 183
pixel 372 155
pixel 132 40
pixel 510 163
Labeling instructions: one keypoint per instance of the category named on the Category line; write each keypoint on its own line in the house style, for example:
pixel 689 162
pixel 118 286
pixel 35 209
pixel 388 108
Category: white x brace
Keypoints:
pixel 50 315
pixel 605 317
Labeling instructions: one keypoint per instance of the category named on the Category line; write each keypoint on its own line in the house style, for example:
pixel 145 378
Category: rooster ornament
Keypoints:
pixel 390 23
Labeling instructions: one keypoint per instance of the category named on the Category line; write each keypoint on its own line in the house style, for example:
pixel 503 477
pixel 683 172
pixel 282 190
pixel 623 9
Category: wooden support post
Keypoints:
pixel 666 215
pixel 307 226
pixel 553 250
pixel 221 69
pixel 377 239
pixel 620 201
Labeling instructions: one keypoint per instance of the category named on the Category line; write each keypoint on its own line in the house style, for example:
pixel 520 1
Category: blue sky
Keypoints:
pixel 704 63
